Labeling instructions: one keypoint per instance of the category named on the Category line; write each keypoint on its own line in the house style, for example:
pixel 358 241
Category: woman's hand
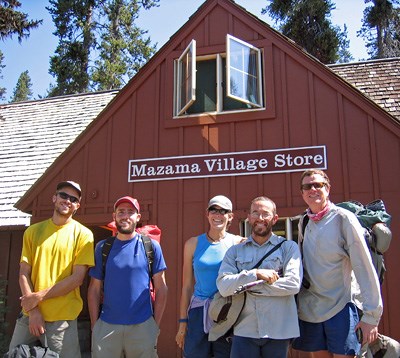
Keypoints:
pixel 180 336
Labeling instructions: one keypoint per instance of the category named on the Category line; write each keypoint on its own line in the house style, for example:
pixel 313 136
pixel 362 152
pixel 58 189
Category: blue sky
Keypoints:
pixel 34 53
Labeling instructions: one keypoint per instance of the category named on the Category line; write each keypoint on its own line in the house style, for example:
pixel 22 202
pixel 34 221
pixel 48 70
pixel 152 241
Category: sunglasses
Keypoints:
pixel 218 211
pixel 66 196
pixel 317 185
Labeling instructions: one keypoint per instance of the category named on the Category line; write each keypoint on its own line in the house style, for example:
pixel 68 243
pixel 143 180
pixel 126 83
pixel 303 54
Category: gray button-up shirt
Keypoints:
pixel 270 310
pixel 333 248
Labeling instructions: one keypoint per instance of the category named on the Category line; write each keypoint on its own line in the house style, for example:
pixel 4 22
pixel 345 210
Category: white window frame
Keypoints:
pixel 186 80
pixel 243 72
pixel 186 64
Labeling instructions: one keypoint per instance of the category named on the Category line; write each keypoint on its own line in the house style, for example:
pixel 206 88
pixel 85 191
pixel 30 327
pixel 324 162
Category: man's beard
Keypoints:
pixel 264 232
pixel 125 230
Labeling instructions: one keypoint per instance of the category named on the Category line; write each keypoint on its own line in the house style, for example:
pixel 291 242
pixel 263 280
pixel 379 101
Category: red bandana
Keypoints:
pixel 318 216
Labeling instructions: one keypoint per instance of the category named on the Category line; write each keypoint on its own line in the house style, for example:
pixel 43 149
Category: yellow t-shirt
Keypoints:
pixel 52 251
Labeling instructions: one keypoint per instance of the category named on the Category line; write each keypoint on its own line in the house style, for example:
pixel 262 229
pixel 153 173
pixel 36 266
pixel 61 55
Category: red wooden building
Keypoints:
pixel 228 106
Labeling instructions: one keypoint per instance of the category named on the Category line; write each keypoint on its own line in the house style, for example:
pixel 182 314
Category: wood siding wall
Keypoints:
pixel 10 248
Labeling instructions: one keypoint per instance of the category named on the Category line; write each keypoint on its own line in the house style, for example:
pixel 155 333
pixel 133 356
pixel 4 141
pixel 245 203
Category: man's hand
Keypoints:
pixel 30 301
pixel 269 276
pixel 36 322
pixel 369 332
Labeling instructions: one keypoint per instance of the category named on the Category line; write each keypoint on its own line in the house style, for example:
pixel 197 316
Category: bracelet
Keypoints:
pixel 183 320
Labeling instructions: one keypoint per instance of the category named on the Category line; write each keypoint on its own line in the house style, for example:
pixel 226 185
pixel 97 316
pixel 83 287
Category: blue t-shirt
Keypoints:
pixel 126 288
pixel 207 259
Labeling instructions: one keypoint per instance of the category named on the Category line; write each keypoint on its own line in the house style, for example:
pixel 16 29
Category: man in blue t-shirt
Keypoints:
pixel 128 322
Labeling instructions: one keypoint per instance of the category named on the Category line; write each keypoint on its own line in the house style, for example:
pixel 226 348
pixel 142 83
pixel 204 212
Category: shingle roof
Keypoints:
pixel 32 135
pixel 378 79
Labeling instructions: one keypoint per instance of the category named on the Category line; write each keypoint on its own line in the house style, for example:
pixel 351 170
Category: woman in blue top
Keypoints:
pixel 203 255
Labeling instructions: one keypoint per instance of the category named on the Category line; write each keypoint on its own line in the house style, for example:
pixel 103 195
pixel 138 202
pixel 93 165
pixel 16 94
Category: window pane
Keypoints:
pixel 206 93
pixel 186 79
pixel 244 71
pixel 230 103
pixel 186 82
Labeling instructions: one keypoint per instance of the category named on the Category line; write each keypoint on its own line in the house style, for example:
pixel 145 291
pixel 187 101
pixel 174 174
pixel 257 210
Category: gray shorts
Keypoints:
pixel 62 336
pixel 134 340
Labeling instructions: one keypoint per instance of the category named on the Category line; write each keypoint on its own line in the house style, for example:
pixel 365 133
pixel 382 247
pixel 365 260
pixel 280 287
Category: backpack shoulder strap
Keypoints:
pixel 304 224
pixel 148 247
pixel 105 251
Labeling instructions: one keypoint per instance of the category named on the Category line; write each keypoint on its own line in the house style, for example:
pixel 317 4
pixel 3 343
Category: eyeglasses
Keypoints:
pixel 317 185
pixel 218 211
pixel 264 216
pixel 66 196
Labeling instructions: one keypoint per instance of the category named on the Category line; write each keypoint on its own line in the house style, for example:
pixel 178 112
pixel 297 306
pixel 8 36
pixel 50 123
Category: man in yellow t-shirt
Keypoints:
pixel 56 255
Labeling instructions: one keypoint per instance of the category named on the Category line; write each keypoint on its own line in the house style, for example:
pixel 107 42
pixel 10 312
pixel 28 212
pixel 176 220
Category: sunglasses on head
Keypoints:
pixel 317 185
pixel 213 210
pixel 66 196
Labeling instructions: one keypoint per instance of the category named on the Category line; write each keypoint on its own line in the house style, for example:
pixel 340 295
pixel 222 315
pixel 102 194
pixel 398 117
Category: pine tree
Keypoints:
pixel 74 27
pixel 104 29
pixel 2 89
pixel 15 22
pixel 381 28
pixel 344 45
pixel 307 23
pixel 23 91
pixel 123 49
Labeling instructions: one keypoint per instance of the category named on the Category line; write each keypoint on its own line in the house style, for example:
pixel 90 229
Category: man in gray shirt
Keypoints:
pixel 334 255
pixel 269 319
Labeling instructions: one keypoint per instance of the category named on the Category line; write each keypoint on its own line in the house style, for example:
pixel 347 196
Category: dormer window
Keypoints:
pixel 201 84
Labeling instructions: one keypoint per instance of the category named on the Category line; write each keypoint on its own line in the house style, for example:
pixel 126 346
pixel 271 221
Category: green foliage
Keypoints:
pixel 381 28
pixel 4 339
pixel 99 44
pixel 23 91
pixel 123 48
pixel 307 23
pixel 74 27
pixel 2 89
pixel 344 53
pixel 15 22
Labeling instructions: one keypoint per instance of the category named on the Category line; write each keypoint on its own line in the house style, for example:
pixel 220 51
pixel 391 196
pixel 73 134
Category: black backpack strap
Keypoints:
pixel 276 247
pixel 105 251
pixel 305 221
pixel 303 224
pixel 305 283
pixel 148 247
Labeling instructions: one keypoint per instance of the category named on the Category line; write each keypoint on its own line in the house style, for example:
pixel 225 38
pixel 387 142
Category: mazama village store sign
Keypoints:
pixel 228 164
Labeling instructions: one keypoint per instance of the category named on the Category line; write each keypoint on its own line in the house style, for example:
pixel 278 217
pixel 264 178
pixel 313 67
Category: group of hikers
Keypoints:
pixel 317 297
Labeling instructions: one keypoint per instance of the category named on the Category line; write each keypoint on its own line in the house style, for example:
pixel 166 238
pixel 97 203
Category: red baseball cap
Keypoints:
pixel 127 199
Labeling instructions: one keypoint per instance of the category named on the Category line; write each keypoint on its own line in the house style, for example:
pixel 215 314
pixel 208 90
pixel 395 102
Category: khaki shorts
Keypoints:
pixel 62 336
pixel 134 340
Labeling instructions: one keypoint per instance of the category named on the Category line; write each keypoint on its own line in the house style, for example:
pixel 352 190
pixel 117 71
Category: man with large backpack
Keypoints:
pixel 129 320
pixel 333 248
